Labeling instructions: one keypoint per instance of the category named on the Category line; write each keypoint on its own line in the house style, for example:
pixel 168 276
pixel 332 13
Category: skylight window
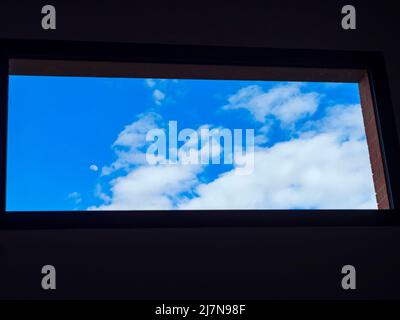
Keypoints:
pixel 84 142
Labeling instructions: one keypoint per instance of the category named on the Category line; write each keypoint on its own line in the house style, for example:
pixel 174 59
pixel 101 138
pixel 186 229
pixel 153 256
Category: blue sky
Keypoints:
pixel 70 144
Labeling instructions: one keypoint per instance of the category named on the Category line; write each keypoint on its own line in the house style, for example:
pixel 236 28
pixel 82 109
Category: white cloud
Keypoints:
pixel 317 172
pixel 327 167
pixel 150 83
pixel 130 141
pixel 101 195
pixel 158 96
pixel 158 87
pixel 76 196
pixel 262 136
pixel 151 187
pixel 345 120
pixel 163 90
pixel 134 135
pixel 285 102
pixel 93 167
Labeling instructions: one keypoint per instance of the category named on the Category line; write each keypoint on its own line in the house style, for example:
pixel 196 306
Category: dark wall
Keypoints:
pixel 208 263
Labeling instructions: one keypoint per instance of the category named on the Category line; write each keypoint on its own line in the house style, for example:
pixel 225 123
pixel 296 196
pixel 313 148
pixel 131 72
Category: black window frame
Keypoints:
pixel 372 62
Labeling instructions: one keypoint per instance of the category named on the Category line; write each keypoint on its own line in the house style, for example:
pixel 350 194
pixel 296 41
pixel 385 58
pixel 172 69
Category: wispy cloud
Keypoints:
pixel 284 102
pixel 158 89
pixel 130 141
pixel 101 195
pixel 151 83
pixel 158 96
pixel 75 196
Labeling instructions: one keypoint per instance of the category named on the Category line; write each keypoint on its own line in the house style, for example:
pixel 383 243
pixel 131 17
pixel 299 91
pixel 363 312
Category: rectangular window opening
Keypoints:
pixel 94 136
